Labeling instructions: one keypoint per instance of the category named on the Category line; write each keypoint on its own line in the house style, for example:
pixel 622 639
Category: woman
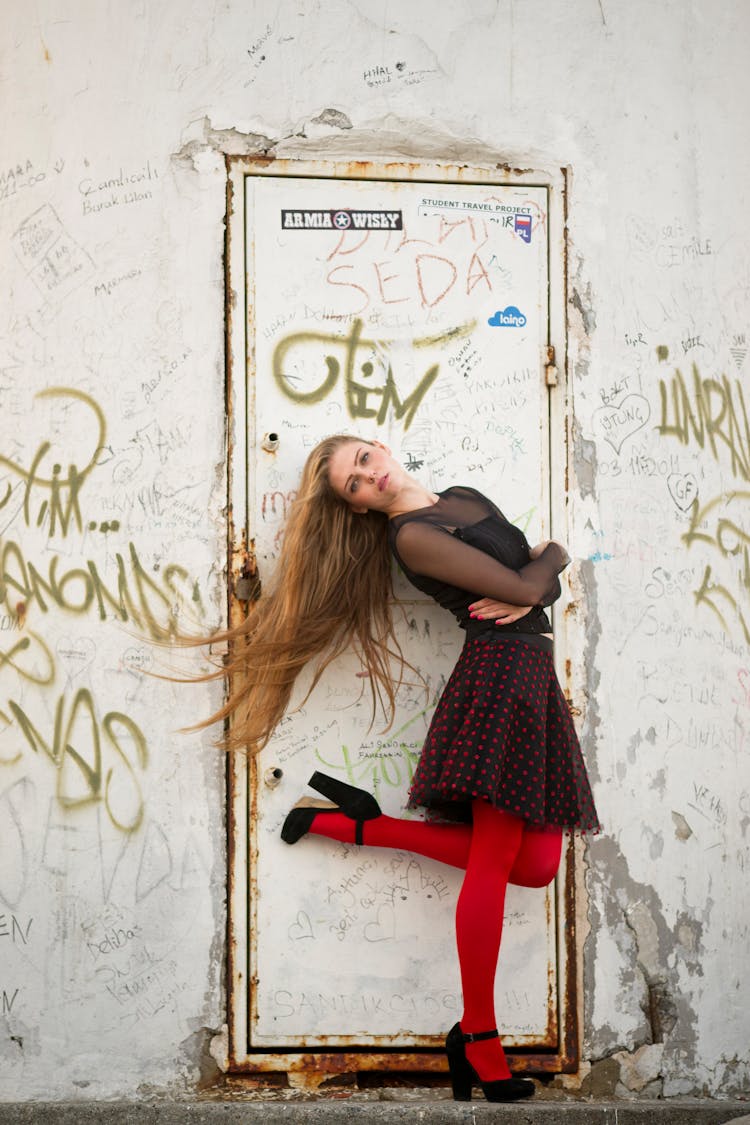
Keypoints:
pixel 501 751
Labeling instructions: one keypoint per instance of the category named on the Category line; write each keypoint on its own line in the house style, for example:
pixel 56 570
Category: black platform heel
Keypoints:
pixel 299 819
pixel 355 803
pixel 464 1076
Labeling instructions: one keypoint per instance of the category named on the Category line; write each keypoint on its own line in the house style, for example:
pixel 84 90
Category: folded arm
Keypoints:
pixel 435 553
pixel 502 613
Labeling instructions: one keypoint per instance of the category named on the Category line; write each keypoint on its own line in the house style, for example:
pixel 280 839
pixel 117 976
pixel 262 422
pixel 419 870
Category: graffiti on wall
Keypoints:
pixel 709 414
pixel 371 391
pixel 373 283
pixel 451 255
pixel 719 524
pixel 98 753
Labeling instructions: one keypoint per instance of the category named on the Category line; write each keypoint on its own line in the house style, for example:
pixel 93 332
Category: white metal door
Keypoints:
pixel 417 313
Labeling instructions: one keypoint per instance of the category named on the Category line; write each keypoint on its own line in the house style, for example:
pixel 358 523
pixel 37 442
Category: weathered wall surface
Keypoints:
pixel 112 492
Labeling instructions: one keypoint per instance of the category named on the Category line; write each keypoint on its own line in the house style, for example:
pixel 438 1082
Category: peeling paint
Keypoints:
pixel 584 460
pixel 658 1007
pixel 659 782
pixel 632 746
pixel 333 117
pixel 689 936
pixel 593 675
pixel 584 304
pixel 197 1049
pixel 656 843
pixel 667 1016
pixel 682 829
pixel 219 1048
pixel 232 142
pixel 642 923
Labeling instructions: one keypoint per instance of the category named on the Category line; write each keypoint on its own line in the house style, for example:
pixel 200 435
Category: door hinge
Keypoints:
pixel 550 370
pixel 247 587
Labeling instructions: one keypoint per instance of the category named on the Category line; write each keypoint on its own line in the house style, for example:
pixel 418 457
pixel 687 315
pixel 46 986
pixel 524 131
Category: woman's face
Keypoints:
pixel 365 475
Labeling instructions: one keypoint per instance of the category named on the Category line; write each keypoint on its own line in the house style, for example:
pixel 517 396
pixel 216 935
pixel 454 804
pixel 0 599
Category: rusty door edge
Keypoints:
pixel 243 1057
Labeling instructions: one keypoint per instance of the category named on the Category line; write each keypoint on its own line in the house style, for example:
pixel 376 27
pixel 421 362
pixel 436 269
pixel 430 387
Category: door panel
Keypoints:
pixel 416 313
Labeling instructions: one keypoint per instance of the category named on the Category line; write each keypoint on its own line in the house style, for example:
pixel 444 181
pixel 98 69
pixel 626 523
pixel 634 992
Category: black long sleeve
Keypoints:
pixel 434 552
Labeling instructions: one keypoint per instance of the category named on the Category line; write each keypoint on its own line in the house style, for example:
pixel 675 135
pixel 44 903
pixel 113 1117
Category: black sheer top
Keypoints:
pixel 463 548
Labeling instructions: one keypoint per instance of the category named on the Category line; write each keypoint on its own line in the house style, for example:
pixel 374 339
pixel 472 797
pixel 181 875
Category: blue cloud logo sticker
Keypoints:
pixel 507 318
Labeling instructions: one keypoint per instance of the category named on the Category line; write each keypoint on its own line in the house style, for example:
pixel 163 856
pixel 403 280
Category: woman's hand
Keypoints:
pixel 535 552
pixel 502 613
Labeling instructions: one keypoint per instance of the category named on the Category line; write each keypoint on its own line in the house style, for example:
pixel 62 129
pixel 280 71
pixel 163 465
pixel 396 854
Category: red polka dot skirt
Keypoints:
pixel 502 731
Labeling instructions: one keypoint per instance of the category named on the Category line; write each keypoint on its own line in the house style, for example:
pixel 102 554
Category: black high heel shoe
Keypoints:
pixel 464 1076
pixel 355 803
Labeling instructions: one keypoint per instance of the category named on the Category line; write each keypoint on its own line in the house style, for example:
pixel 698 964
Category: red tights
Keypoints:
pixel 496 849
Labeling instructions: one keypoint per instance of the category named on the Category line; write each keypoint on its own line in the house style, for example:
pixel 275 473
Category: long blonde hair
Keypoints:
pixel 332 589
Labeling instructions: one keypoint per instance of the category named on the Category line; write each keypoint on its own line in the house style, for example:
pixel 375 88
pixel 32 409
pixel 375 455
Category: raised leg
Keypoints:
pixel 535 865
pixel 538 859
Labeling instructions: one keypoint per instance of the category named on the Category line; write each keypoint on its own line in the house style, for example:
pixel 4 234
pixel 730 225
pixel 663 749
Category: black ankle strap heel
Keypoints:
pixel 464 1076
pixel 355 803
pixel 476 1036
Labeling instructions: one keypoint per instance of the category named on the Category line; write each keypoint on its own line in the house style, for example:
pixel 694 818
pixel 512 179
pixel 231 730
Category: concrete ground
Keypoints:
pixel 386 1107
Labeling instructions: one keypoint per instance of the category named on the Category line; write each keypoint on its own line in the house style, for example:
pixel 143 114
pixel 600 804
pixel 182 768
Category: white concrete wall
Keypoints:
pixel 116 118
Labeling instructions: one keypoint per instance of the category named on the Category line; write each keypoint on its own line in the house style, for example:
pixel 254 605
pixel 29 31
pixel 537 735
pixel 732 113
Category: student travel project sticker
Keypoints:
pixel 522 226
pixel 507 318
pixel 510 216
pixel 341 220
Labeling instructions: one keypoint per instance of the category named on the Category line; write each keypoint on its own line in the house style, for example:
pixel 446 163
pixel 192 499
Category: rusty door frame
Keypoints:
pixel 309 1065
